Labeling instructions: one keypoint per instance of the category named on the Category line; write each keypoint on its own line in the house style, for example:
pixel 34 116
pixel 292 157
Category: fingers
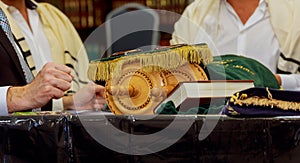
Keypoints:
pixel 61 84
pixel 61 68
pixel 56 75
pixel 99 101
pixel 99 98
pixel 99 90
pixel 57 93
pixel 54 79
pixel 50 83
pixel 278 79
pixel 63 76
pixel 52 67
pixel 99 104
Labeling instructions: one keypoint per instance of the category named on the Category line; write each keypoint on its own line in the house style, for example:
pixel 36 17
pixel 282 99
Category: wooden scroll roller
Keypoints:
pixel 138 81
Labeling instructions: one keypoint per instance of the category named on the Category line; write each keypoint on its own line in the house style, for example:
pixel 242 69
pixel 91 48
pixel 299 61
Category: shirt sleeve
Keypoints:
pixel 290 81
pixel 3 103
pixel 57 105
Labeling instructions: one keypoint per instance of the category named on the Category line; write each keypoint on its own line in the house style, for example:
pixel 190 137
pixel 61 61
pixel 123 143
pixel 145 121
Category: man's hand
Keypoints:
pixel 278 79
pixel 89 97
pixel 50 83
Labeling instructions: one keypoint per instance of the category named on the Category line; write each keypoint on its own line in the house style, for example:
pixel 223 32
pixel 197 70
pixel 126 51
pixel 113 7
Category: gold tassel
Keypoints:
pixel 155 60
pixel 262 101
pixel 243 99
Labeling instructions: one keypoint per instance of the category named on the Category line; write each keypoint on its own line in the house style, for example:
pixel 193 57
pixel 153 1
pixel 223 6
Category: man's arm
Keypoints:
pixel 50 83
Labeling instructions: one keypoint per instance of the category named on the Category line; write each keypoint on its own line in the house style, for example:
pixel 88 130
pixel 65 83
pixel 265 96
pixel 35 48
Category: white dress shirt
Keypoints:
pixel 35 37
pixel 254 39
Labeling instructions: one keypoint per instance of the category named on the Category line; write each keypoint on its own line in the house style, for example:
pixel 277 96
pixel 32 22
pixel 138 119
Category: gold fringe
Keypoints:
pixel 151 61
pixel 243 99
pixel 92 71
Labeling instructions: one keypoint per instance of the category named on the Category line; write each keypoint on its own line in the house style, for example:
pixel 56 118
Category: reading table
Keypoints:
pixel 193 138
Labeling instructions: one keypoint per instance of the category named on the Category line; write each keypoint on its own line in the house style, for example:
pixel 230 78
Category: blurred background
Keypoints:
pixel 87 15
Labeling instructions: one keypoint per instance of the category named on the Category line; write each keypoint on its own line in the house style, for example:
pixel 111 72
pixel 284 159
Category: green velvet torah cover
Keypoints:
pixel 228 67
pixel 234 67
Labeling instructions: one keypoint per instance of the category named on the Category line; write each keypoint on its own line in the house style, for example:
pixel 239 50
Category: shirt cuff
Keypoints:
pixel 290 81
pixel 3 102
pixel 57 105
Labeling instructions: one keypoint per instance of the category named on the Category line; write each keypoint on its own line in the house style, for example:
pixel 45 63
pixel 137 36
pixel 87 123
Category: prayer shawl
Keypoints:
pixel 66 45
pixel 284 16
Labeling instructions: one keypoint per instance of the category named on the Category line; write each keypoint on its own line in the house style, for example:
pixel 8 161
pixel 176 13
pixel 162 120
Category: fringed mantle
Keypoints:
pixel 156 60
